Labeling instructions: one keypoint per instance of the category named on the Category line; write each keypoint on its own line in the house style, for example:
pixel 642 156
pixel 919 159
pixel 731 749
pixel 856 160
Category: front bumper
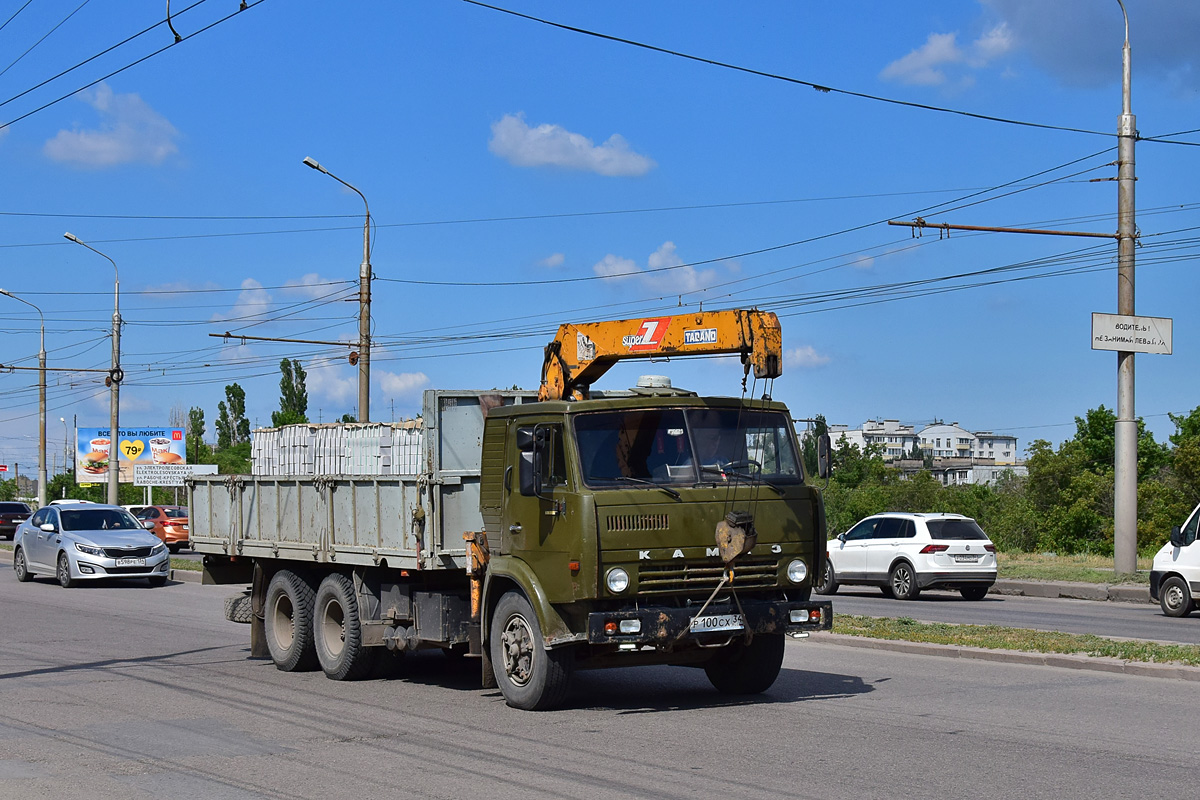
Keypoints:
pixel 88 567
pixel 662 626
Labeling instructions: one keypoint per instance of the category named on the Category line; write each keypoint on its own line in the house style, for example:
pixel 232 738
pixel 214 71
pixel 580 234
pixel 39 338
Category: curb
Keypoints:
pixel 1066 661
pixel 1123 593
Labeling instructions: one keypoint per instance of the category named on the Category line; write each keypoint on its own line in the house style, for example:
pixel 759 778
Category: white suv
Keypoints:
pixel 905 553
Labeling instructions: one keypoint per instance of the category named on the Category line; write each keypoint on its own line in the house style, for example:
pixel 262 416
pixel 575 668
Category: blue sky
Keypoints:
pixel 521 175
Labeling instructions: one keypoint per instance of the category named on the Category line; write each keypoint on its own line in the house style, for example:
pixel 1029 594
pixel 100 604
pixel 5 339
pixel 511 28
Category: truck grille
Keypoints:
pixel 127 552
pixel 627 523
pixel 703 576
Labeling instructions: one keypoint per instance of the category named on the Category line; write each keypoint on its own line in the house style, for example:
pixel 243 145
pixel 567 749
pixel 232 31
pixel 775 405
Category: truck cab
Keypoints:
pixel 1175 574
pixel 607 520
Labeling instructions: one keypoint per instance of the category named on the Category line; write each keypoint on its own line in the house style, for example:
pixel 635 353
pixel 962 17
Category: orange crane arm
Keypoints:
pixel 580 354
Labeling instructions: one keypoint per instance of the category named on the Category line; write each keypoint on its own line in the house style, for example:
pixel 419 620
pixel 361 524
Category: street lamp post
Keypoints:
pixel 41 399
pixel 114 379
pixel 66 445
pixel 364 303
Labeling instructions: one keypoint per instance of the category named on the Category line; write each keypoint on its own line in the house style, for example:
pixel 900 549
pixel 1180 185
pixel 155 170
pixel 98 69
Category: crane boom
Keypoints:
pixel 581 353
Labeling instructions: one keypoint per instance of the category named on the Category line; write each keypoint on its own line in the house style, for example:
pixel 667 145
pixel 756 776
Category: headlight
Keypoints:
pixel 158 548
pixel 91 551
pixel 797 571
pixel 617 580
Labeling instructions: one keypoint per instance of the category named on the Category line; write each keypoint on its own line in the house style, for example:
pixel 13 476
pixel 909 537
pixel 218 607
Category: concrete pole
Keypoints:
pixel 1125 433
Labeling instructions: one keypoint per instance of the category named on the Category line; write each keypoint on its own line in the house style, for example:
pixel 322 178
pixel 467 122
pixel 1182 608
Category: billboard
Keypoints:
pixel 93 447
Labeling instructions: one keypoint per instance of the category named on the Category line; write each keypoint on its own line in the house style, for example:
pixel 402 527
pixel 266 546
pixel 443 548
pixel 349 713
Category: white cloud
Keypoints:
pixel 334 381
pixel 130 131
pixel 804 357
pixel 864 262
pixel 253 301
pixel 927 65
pixel 667 272
pixel 922 67
pixel 554 146
pixel 681 279
pixel 615 267
pixel 553 260
pixel 402 383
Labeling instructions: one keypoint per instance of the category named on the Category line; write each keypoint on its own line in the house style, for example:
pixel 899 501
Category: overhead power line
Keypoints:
pixel 774 76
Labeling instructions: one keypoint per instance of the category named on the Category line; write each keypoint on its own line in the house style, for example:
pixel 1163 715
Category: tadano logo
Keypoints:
pixel 649 335
pixel 700 336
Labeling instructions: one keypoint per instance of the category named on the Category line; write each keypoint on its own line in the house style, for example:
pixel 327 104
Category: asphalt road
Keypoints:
pixel 133 692
pixel 1125 620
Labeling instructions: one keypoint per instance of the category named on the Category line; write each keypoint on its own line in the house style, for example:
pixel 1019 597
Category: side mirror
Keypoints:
pixel 1177 537
pixel 841 537
pixel 148 525
pixel 824 456
pixel 48 527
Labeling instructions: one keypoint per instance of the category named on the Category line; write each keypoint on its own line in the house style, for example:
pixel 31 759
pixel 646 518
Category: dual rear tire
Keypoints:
pixel 309 626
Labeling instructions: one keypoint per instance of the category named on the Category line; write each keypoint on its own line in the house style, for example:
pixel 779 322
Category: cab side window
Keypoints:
pixel 1189 530
pixel 554 465
pixel 41 516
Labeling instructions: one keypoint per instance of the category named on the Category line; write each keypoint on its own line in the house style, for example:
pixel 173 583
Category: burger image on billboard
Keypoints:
pixel 95 461
pixel 167 458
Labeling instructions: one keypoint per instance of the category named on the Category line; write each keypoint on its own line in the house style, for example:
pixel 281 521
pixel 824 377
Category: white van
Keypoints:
pixel 1175 574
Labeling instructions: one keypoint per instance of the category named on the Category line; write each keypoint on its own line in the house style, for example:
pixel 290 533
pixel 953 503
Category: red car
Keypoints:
pixel 170 524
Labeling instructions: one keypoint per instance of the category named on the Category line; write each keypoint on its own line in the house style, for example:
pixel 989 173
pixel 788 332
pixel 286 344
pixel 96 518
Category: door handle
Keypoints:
pixel 514 528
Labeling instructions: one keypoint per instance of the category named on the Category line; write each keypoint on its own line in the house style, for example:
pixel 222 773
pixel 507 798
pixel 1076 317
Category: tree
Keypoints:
pixel 293 396
pixel 195 433
pixel 347 418
pixel 232 425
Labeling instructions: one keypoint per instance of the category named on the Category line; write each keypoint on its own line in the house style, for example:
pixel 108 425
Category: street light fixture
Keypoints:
pixel 41 399
pixel 364 303
pixel 114 378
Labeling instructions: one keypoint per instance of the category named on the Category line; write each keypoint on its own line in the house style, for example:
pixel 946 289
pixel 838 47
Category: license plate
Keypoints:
pixel 131 562
pixel 718 622
pixel 965 559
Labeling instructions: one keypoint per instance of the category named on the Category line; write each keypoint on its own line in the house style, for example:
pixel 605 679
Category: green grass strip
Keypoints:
pixel 995 637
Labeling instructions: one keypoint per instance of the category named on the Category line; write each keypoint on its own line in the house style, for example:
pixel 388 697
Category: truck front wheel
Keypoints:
pixel 743 668
pixel 530 676
pixel 337 631
pixel 287 619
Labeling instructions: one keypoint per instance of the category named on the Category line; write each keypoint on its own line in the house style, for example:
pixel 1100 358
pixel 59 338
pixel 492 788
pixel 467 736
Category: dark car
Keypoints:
pixel 11 517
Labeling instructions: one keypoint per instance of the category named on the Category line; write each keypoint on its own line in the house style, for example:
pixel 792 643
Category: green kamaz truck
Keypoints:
pixel 543 535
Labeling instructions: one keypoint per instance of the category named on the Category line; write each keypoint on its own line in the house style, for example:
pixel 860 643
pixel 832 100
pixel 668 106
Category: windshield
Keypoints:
pixel 98 519
pixel 676 446
pixel 14 508
pixel 954 529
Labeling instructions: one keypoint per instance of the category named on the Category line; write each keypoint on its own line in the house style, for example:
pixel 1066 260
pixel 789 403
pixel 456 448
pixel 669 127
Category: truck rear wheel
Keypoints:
pixel 747 668
pixel 337 632
pixel 530 676
pixel 287 619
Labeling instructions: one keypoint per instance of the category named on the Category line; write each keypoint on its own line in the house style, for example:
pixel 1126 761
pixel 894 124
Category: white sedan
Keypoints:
pixel 86 542
pixel 905 553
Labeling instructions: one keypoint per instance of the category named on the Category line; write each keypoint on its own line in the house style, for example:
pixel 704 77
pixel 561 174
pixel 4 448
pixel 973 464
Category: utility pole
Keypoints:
pixel 1126 458
pixel 41 496
pixel 1125 433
